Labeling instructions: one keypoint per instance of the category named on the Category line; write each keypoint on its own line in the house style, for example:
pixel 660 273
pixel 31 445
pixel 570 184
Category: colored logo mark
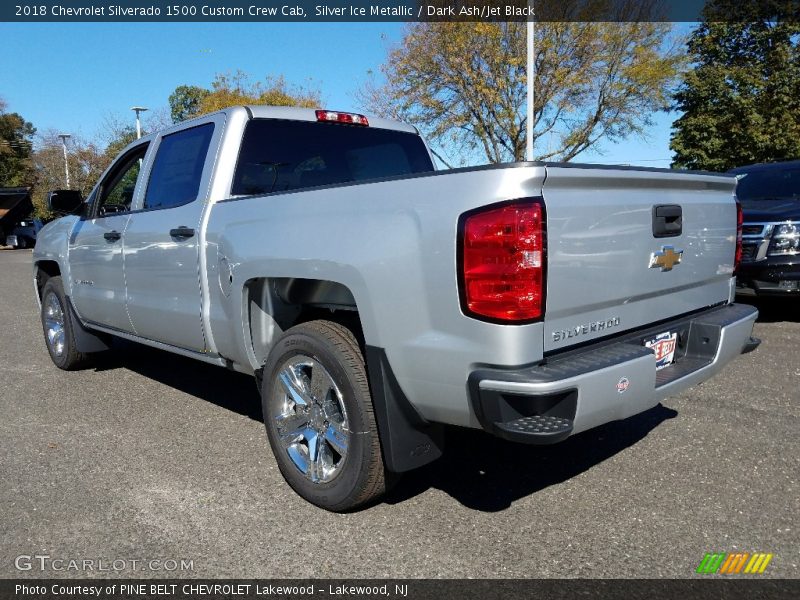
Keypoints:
pixel 732 563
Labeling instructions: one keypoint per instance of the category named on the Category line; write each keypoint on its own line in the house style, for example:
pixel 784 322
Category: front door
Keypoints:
pixel 162 242
pixel 95 248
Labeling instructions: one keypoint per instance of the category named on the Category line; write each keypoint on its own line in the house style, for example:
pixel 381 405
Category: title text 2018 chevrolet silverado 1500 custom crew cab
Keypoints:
pixel 376 299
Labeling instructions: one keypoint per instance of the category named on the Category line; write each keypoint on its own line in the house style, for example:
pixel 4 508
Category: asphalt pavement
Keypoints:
pixel 154 457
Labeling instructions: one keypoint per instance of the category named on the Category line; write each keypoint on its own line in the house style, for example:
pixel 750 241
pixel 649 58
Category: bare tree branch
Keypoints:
pixel 464 84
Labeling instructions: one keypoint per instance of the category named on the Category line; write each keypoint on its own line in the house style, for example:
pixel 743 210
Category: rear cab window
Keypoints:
pixel 281 155
pixel 178 168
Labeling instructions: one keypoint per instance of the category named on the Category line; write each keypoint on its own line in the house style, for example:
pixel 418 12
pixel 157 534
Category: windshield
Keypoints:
pixel 769 184
pixel 278 155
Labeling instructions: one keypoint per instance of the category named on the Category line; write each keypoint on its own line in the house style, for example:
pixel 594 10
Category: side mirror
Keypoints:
pixel 65 202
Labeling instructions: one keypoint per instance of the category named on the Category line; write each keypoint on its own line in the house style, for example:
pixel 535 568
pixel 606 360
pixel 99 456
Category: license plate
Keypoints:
pixel 11 240
pixel 663 346
pixel 788 285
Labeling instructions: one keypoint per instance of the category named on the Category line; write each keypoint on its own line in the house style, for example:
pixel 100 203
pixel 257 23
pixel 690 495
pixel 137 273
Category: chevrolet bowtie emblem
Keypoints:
pixel 667 258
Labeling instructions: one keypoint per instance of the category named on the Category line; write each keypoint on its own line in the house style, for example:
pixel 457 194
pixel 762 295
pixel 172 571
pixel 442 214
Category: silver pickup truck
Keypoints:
pixel 376 299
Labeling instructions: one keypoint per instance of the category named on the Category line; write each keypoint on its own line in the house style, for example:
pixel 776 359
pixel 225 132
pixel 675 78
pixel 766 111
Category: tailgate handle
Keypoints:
pixel 667 220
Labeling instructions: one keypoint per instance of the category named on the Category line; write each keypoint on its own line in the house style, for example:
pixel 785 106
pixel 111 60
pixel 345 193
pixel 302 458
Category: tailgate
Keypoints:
pixel 607 270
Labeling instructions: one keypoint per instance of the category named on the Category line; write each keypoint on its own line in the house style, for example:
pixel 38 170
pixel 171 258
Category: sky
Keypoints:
pixel 73 77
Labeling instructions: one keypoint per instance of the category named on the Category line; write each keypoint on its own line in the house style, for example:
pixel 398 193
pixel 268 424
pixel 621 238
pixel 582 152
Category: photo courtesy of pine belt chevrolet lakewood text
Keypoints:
pixel 376 299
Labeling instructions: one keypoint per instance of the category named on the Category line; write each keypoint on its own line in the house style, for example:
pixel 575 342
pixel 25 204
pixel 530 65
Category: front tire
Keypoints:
pixel 57 325
pixel 319 417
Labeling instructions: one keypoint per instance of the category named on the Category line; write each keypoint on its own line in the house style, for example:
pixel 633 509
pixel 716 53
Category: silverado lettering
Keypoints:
pixel 584 329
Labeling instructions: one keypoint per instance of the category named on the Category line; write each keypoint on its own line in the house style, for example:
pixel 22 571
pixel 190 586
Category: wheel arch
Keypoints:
pixel 274 304
pixel 42 271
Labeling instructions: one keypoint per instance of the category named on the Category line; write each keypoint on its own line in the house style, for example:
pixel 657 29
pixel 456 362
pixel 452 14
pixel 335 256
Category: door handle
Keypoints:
pixel 112 236
pixel 182 232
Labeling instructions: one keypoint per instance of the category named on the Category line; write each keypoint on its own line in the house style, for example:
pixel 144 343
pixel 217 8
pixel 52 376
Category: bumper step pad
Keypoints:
pixel 546 428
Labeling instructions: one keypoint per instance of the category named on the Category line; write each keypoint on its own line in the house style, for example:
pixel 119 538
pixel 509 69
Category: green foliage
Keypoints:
pixel 185 101
pixel 40 208
pixel 465 85
pixel 16 139
pixel 741 101
pixel 121 137
pixel 231 89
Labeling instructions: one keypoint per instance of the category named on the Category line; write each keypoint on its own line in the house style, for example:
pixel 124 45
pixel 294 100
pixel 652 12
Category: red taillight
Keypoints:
pixel 737 259
pixel 503 262
pixel 333 116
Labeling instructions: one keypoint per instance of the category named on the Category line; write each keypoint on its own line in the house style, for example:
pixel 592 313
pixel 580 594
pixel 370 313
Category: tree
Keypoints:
pixel 231 89
pixel 741 101
pixel 116 134
pixel 16 139
pixel 86 163
pixel 87 159
pixel 184 102
pixel 464 85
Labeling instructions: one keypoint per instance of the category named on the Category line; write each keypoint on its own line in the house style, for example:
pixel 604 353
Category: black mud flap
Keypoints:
pixel 85 340
pixel 408 440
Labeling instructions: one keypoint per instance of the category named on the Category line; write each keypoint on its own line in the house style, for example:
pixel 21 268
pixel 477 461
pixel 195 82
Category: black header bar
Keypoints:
pixel 299 11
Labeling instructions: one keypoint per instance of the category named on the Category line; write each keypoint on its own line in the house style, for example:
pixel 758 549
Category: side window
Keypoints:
pixel 178 167
pixel 116 191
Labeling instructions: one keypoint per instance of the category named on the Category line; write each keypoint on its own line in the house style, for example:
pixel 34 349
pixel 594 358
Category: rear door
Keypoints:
pixel 613 246
pixel 163 238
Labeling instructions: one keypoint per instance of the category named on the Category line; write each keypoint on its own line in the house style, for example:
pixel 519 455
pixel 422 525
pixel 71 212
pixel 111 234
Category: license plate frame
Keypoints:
pixel 664 346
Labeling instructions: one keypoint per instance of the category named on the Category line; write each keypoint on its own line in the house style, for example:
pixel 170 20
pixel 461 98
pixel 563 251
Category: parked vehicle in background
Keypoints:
pixel 770 198
pixel 15 206
pixel 376 299
pixel 23 235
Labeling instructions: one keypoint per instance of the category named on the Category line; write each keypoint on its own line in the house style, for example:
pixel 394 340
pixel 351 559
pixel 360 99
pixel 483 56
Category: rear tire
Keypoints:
pixel 319 417
pixel 57 325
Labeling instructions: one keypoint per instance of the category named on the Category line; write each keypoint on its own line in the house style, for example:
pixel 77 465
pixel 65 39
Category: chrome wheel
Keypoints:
pixel 310 418
pixel 54 324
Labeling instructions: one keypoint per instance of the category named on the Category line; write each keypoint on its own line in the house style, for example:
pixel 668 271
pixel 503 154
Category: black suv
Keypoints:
pixel 770 197
pixel 24 234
